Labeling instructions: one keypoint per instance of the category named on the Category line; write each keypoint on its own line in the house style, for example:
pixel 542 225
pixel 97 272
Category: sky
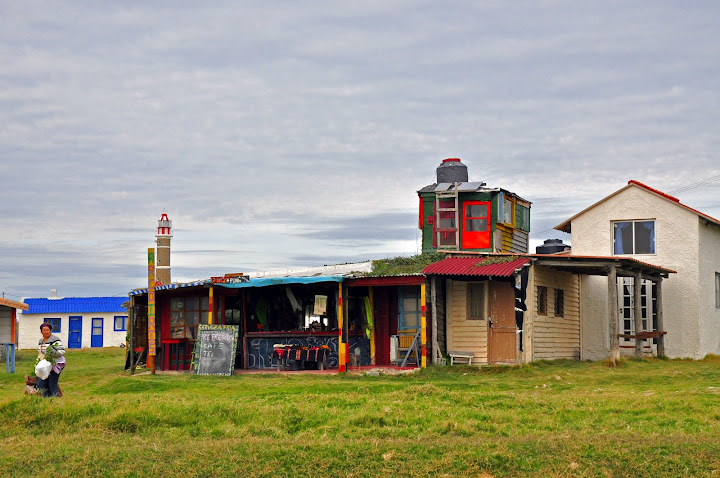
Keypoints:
pixel 287 134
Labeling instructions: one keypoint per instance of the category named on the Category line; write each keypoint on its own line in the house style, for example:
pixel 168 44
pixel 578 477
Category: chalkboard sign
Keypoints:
pixel 215 349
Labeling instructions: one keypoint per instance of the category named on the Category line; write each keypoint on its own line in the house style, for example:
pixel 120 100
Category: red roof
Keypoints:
pixel 473 266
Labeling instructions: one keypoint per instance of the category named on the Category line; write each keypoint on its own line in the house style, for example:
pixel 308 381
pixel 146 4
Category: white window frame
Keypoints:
pixel 626 311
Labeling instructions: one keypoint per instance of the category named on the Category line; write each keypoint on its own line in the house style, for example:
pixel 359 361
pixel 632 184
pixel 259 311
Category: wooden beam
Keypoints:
pixel 341 327
pixel 660 319
pixel 423 326
pixel 637 285
pixel 613 314
pixel 433 308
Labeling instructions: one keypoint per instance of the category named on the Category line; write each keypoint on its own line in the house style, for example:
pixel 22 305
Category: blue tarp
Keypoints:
pixel 260 282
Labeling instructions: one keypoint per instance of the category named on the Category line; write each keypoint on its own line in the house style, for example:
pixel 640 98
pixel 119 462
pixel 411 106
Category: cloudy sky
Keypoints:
pixel 284 134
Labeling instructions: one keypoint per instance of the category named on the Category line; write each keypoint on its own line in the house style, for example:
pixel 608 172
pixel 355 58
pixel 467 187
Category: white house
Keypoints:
pixel 648 225
pixel 80 322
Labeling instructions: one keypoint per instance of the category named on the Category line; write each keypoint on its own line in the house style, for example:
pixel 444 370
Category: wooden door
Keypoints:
pixel 502 338
pixel 381 321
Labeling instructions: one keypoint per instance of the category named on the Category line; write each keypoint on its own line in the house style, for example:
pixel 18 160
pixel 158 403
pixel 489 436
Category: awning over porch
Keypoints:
pixel 264 282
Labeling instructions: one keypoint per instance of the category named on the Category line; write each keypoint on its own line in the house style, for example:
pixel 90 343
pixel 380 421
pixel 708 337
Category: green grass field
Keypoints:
pixel 651 418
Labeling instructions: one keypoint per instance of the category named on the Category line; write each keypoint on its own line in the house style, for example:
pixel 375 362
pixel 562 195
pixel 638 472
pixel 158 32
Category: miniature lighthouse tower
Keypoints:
pixel 163 237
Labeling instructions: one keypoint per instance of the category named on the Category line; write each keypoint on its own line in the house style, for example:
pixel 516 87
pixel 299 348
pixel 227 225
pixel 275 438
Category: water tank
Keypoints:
pixel 452 171
pixel 551 246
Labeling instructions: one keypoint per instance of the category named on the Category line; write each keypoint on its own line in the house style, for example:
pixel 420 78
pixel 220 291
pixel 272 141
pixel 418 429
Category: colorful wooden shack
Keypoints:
pixel 8 328
pixel 456 214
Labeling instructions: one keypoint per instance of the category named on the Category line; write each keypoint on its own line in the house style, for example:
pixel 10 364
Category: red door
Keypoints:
pixel 476 225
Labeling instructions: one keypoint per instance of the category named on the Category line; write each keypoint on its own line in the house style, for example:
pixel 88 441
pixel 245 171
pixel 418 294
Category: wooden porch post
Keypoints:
pixel 341 327
pixel 613 314
pixel 433 308
pixel 423 326
pixel 660 319
pixel 211 305
pixel 131 332
pixel 637 312
pixel 372 331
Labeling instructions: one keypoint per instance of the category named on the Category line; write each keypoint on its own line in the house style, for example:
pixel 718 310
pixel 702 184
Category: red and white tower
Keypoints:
pixel 162 238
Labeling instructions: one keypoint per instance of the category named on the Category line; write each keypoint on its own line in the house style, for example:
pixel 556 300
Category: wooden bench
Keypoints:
pixel 455 355
pixel 643 335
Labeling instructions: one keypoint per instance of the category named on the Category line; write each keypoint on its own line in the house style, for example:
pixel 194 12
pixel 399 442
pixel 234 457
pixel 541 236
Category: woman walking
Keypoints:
pixel 50 343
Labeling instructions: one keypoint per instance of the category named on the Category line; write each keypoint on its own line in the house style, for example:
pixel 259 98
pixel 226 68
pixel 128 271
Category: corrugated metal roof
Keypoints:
pixel 473 266
pixel 73 305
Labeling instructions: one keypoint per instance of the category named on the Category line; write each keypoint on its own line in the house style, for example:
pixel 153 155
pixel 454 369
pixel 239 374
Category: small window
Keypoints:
pixel 717 290
pixel 476 301
pixel 55 324
pixel 559 303
pixel 634 237
pixel 508 211
pixel 542 300
pixel 120 323
pixel 410 308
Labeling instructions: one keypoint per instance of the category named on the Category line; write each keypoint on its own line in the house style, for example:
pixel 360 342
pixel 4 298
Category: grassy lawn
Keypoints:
pixel 651 418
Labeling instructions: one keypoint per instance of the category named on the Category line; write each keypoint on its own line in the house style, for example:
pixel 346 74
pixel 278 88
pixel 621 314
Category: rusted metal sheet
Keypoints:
pixel 474 266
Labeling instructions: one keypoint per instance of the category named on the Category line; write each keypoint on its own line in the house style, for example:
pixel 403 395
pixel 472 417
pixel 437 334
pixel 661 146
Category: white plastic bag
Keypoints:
pixel 42 369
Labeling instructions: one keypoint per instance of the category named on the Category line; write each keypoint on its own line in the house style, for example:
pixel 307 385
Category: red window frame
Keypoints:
pixel 475 239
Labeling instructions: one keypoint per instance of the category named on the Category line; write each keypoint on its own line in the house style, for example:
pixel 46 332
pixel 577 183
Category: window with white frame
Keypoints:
pixel 626 305
pixel 634 237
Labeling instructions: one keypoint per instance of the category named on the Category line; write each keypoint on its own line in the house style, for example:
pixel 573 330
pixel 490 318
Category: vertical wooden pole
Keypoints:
pixel 152 343
pixel 245 340
pixel 423 326
pixel 433 308
pixel 613 314
pixel 211 306
pixel 660 319
pixel 131 333
pixel 637 311
pixel 371 299
pixel 341 328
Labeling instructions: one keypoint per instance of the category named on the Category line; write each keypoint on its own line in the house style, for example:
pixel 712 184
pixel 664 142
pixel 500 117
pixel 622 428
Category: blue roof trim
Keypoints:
pixel 264 282
pixel 75 305
pixel 172 286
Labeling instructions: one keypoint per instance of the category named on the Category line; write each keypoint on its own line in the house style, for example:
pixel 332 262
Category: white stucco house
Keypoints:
pixel 80 322
pixel 643 223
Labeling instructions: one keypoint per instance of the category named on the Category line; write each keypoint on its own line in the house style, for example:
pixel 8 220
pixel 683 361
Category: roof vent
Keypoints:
pixel 551 246
pixel 452 170
pixel 53 294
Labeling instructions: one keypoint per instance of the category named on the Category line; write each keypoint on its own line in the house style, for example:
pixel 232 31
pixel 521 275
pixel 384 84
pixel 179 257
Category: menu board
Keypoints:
pixel 215 349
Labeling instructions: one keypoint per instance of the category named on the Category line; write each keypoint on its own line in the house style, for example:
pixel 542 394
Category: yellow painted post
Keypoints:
pixel 341 345
pixel 423 326
pixel 372 331
pixel 211 306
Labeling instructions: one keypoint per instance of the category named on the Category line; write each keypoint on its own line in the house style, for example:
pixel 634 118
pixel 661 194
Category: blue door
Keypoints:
pixel 75 333
pixel 96 338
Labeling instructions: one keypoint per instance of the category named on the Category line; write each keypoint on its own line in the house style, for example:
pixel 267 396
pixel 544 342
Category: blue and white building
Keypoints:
pixel 80 322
